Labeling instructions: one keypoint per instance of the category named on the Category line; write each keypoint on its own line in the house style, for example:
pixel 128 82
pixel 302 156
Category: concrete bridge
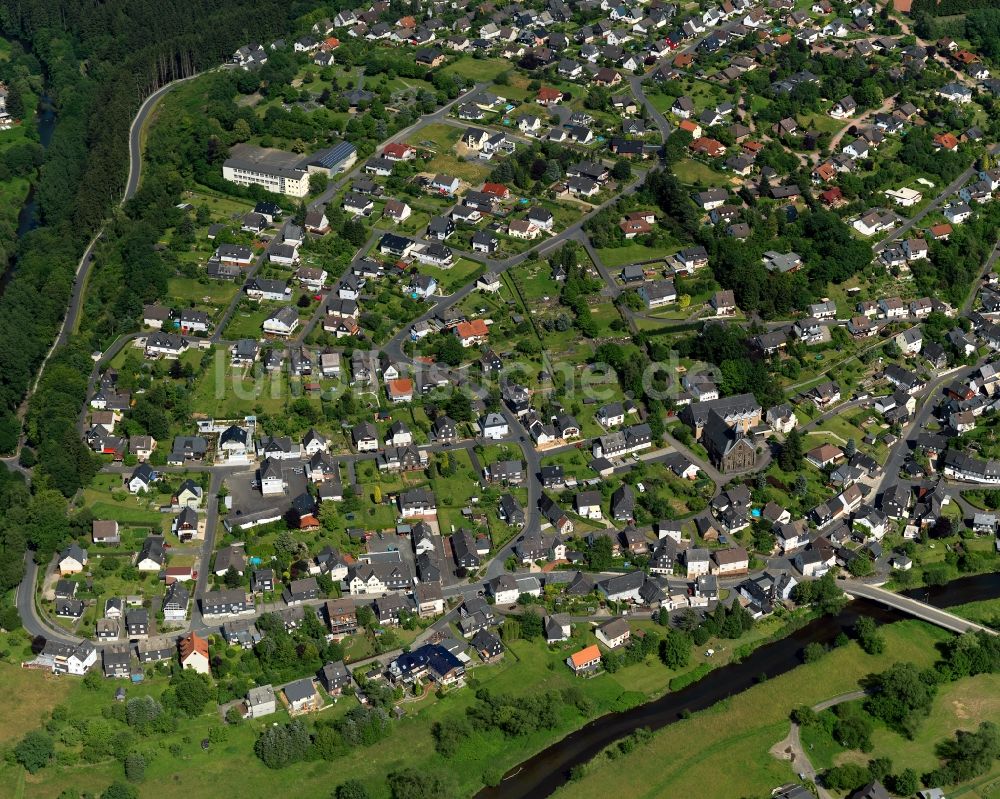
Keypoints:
pixel 915 608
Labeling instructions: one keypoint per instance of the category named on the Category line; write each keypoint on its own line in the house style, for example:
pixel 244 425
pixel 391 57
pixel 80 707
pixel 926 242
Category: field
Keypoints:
pixel 30 696
pixel 733 738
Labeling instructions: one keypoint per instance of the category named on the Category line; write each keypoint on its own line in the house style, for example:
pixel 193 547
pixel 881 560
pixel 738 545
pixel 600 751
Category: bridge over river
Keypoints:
pixel 914 607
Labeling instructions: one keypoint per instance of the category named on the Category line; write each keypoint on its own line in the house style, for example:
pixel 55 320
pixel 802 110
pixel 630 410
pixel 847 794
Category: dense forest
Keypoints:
pixel 99 62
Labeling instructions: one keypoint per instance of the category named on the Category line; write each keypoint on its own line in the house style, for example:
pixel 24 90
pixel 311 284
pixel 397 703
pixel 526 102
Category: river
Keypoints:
pixel 546 771
pixel 27 219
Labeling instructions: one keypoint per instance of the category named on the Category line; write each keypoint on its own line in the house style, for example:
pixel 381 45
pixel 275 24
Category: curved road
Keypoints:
pixel 25 598
pixel 71 320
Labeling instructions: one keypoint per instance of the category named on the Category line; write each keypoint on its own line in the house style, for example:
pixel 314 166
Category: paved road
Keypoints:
pixel 208 545
pixel 71 320
pixel 952 187
pixel 987 268
pixel 135 136
pixel 25 602
pixel 894 462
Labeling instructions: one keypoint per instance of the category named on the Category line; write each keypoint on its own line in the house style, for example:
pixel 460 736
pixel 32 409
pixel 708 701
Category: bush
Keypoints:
pixel 352 789
pixel 135 767
pixel 847 777
pixel 35 751
pixel 813 652
pixel 409 783
pixel 691 677
pixel 869 638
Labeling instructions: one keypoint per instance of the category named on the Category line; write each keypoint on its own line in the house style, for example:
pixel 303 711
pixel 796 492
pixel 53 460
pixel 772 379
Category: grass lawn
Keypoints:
pixel 824 123
pixel 31 694
pixel 442 139
pixel 192 772
pixel 450 280
pixel 213 292
pixel 694 172
pixel 733 737
pixel 247 320
pixel 985 612
pixel 632 253
pixel 479 69
pixel 222 391
pixel 959 705
pixel 122 512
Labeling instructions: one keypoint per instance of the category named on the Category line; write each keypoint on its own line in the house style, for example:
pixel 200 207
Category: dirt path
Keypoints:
pixel 790 747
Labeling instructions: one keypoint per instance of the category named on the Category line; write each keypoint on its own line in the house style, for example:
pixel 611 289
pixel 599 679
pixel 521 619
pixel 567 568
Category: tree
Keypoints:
pixel 900 697
pixel 366 616
pixel 675 649
pixel 279 746
pixel 847 777
pixel 450 734
pixel 687 620
pixel 905 783
pixel 967 755
pixel 942 528
pixel 232 578
pixel 823 593
pixel 191 691
pixel 600 554
pixel 120 790
pixel 813 651
pixel 352 789
pixel 409 783
pixel 448 349
pixel 459 406
pixel 35 750
pixel 622 170
pixel 869 638
pixel 531 625
pixel 861 565
pixel 135 767
pixel 317 183
pixel 790 457
pixel 15 102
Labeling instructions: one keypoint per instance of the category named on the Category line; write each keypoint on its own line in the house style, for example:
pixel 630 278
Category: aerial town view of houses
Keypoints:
pixel 549 398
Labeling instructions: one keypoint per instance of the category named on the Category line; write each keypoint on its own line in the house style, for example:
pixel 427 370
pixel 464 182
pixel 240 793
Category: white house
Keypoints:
pixel 494 426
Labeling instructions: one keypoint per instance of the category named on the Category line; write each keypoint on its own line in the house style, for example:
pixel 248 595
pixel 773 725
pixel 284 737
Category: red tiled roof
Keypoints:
pixel 586 655
pixel 477 327
pixel 400 387
pixel 192 643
